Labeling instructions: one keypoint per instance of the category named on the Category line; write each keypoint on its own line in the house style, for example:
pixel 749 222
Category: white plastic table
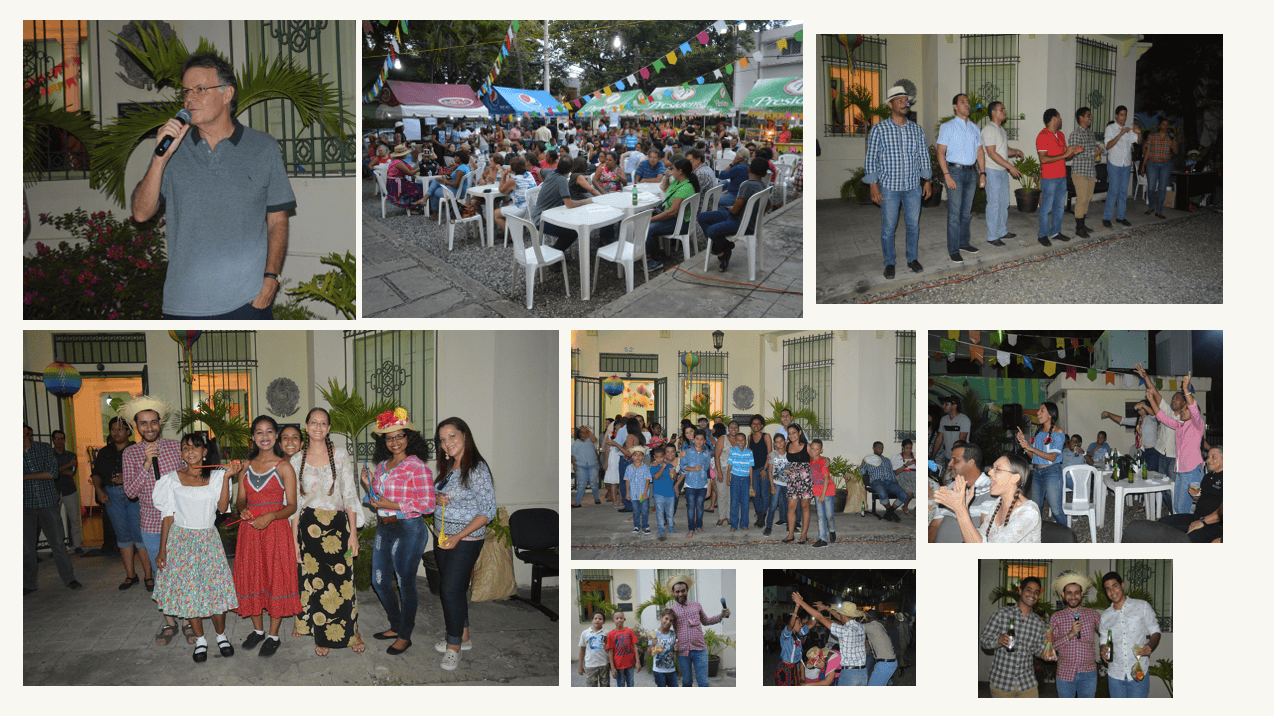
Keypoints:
pixel 1099 487
pixel 583 219
pixel 623 200
pixel 1154 482
pixel 489 192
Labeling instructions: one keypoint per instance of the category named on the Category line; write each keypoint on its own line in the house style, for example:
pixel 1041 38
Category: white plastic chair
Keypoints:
pixel 754 240
pixel 684 232
pixel 459 193
pixel 453 207
pixel 532 196
pixel 380 170
pixel 534 258
pixel 789 159
pixel 1081 496
pixel 786 174
pixel 383 188
pixel 712 198
pixel 1143 186
pixel 629 249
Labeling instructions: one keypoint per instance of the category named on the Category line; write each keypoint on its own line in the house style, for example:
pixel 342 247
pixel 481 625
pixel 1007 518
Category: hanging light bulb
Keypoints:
pixel 398 64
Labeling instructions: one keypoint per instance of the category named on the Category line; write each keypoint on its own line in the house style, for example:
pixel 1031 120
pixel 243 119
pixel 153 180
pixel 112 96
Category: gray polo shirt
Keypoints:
pixel 553 191
pixel 216 203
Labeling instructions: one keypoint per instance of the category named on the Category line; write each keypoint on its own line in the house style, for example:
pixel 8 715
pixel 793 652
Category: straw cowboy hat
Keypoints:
pixel 679 579
pixel 392 421
pixel 1069 577
pixel 400 151
pixel 638 448
pixel 848 609
pixel 142 403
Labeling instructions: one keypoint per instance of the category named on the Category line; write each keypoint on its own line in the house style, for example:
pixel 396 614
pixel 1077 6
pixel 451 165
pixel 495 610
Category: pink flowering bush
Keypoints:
pixel 116 272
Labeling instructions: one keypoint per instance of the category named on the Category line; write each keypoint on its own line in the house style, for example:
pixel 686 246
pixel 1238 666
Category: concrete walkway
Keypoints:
pixel 851 266
pixel 100 635
pixel 724 677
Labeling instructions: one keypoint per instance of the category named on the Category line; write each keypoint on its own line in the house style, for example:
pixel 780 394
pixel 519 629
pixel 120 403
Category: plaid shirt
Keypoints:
pixel 139 477
pixel 882 472
pixel 690 621
pixel 1158 148
pixel 1084 164
pixel 410 484
pixel 896 156
pixel 853 642
pixel 39 493
pixel 1130 626
pixel 1015 670
pixel 1075 655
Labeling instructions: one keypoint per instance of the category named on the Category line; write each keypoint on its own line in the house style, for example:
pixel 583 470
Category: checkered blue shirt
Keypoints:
pixel 896 156
pixel 1013 670
pixel 852 638
pixel 882 472
pixel 39 493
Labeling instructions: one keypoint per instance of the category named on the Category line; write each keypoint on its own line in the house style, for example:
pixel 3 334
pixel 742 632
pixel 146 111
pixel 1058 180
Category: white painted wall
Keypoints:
pixel 1081 403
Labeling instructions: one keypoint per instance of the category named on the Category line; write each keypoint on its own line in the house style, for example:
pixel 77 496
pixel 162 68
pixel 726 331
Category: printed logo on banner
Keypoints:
pixel 456 102
pixel 682 94
pixel 796 86
pixel 528 100
pixel 612 98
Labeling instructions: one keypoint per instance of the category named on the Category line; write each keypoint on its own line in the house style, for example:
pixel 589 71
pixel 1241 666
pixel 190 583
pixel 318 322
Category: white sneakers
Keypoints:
pixel 441 646
pixel 450 659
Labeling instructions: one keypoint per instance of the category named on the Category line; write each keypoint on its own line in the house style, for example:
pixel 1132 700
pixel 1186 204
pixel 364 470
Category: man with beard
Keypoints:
pixel 1013 660
pixel 692 651
pixel 845 626
pixel 1188 433
pixel 966 462
pixel 1074 632
pixel 881 481
pixel 1205 524
pixel 144 462
pixel 1131 623
pixel 897 169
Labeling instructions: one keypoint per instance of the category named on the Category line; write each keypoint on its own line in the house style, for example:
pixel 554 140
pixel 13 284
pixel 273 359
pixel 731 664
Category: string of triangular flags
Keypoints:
pixel 487 89
pixel 42 81
pixel 842 593
pixel 373 95
pixel 947 348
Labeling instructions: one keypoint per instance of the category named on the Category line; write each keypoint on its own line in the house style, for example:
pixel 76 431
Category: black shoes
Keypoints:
pixel 970 249
pixel 74 584
pixel 832 537
pixel 253 641
pixel 1123 222
pixel 1062 237
pixel 767 531
pixel 395 652
pixel 270 646
pixel 819 543
pixel 956 258
pixel 915 266
pixel 1106 223
pixel 1044 241
pixel 1009 236
pixel 997 244
pixel 760 522
pixel 1159 215
pixel 889 271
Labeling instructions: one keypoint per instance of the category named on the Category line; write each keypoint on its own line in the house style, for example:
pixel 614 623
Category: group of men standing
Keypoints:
pixel 898 170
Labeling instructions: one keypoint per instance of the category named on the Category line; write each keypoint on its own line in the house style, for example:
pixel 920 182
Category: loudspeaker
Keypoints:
pixel 1011 414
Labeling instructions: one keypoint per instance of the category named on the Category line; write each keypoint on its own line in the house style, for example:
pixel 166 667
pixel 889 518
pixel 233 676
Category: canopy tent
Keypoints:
pixel 518 101
pixel 708 99
pixel 418 99
pixel 780 96
pixel 632 101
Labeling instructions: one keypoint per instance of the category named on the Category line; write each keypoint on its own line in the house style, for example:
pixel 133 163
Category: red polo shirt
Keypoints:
pixel 1052 145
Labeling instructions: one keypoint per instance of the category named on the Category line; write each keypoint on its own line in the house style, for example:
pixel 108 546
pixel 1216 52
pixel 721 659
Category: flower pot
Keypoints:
pixel 714 663
pixel 841 496
pixel 935 195
pixel 1028 200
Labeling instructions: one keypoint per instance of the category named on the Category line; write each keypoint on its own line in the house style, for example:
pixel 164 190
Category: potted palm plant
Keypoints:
pixel 595 602
pixel 863 100
pixel 803 417
pixel 716 644
pixel 1028 197
pixel 700 405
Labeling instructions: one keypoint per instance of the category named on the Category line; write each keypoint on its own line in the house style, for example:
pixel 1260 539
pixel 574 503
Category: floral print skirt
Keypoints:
pixel 330 607
pixel 196 581
pixel 800 483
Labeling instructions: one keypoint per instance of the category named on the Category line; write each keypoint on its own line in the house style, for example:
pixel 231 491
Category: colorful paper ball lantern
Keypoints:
pixel 613 386
pixel 690 360
pixel 185 338
pixel 62 379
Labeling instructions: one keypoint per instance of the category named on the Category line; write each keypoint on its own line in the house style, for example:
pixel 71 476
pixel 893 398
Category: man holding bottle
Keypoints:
pixel 1015 635
pixel 1074 634
pixel 1131 632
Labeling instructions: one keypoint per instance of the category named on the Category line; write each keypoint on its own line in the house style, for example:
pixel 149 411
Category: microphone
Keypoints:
pixel 723 606
pixel 154 461
pixel 183 116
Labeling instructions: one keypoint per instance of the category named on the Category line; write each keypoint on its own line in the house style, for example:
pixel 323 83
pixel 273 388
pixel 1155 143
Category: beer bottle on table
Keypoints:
pixel 1011 634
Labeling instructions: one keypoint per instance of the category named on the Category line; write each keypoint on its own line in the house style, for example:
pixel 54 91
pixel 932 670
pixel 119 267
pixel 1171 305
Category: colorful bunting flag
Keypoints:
pixel 975 336
pixel 1050 368
pixel 1002 357
pixel 620 85
pixel 743 62
pixel 975 353
pixel 1070 372
pixel 658 65
pixel 1026 362
pixel 1092 375
pixel 671 57
pixel 953 335
pixel 782 44
pixel 685 48
pixel 699 79
pixel 1110 378
pixel 645 73
pixel 1012 339
pixel 947 345
pixel 703 38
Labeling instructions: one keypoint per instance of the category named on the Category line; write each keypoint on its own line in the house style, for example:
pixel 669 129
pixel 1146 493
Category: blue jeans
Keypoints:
pixel 1182 504
pixel 825 507
pixel 396 556
pixel 778 501
pixel 1117 193
pixel 151 541
pixel 663 513
pixel 1083 687
pixel 853 677
pixel 246 312
pixel 641 514
pixel 1048 486
pixel 1152 458
pixel 891 200
pixel 997 203
pixel 717 226
pixel 762 489
pixel 1157 176
pixel 884 670
pixel 585 475
pixel 126 517
pixel 698 658
pixel 624 464
pixel 1129 689
pixel 960 205
pixel 885 489
pixel 694 507
pixel 624 677
pixel 48 519
pixel 657 229
pixel 455 567
pixel 665 678
pixel 739 487
pixel 1052 206
pixel 1169 468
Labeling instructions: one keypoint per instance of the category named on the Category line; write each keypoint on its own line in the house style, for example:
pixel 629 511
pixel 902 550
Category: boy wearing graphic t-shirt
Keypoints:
pixel 824 494
pixel 621 651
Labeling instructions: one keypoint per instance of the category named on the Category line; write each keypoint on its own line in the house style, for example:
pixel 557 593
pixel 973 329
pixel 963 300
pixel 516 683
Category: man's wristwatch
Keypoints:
pixel 274 276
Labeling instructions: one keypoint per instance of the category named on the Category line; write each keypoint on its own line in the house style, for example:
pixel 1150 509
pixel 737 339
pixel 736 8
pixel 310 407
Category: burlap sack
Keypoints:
pixel 493 574
pixel 855 497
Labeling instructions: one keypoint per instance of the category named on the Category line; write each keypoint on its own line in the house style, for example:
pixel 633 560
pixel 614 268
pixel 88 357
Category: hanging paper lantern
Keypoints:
pixel 690 360
pixel 185 338
pixel 613 386
pixel 62 379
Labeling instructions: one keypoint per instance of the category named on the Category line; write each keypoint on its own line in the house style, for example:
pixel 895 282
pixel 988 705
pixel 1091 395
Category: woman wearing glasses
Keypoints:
pixel 402 492
pixel 1012 518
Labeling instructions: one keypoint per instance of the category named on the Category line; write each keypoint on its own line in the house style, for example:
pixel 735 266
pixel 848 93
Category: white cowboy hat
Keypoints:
pixel 142 403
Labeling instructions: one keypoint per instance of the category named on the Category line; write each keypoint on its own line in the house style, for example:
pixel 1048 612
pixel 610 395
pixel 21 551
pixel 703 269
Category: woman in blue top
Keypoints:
pixel 452 182
pixel 466 499
pixel 1045 448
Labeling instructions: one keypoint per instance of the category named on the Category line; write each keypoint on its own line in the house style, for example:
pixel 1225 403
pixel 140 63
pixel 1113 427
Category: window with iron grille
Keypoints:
pixel 807 375
pixel 575 357
pixel 99 347
pixel 222 364
pixel 1154 576
pixel 612 363
pixel 866 70
pixel 905 385
pixel 793 48
pixel 1095 78
pixel 317 45
pixel 990 74
pixel 1013 571
pixel 54 53
pixel 593 580
pixel 707 381
pixel 398 366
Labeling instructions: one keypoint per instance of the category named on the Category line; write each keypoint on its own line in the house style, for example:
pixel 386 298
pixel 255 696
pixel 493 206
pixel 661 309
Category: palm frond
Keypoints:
pixel 38 116
pixel 314 99
pixel 162 58
pixel 659 597
pixel 702 406
pixel 804 416
pixel 233 433
pixel 117 142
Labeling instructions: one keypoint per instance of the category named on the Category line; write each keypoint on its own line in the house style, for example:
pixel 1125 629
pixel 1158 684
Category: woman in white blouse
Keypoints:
pixel 325 526
pixel 1012 518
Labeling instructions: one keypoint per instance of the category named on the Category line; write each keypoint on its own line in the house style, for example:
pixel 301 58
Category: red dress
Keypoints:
pixel 265 560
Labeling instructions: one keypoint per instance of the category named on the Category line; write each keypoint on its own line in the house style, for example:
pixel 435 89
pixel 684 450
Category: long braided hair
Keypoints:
pixel 331 454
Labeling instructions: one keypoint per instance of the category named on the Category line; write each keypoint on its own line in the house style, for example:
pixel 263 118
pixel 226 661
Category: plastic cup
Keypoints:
pixel 1194 489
